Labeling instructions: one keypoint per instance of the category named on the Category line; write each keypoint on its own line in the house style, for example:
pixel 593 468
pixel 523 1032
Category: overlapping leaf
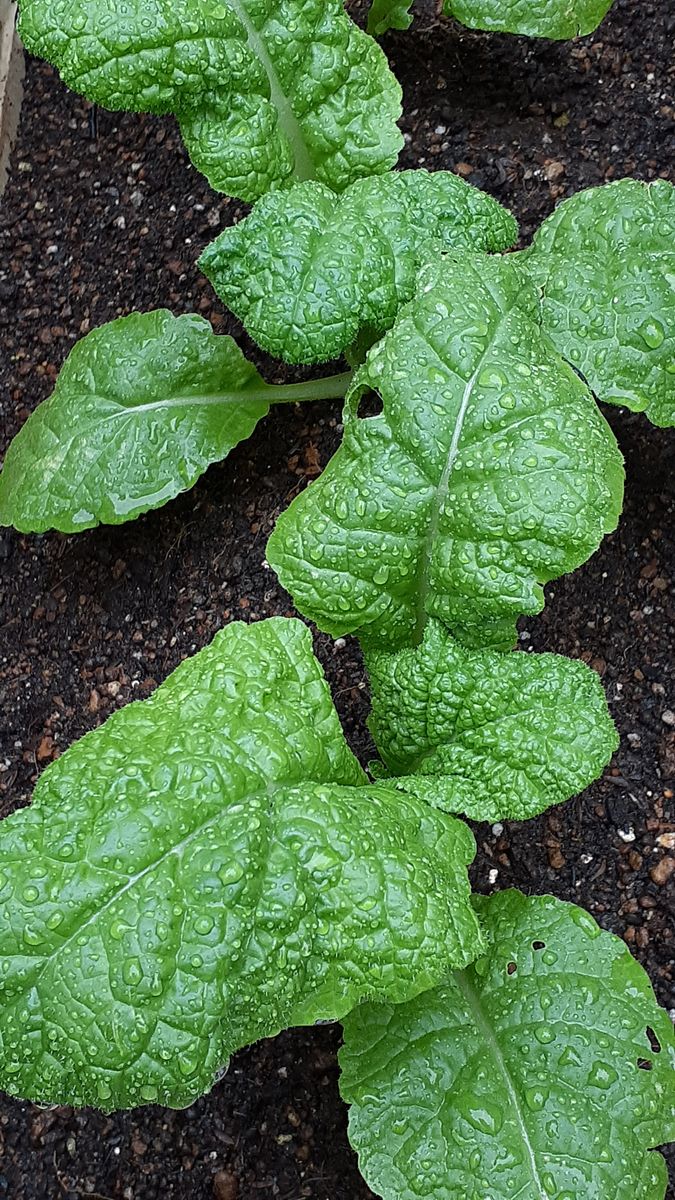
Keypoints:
pixel 544 1070
pixel 308 269
pixel 489 472
pixel 495 736
pixel 605 263
pixel 142 406
pixel 206 869
pixel 263 92
pixel 559 19
pixel 389 14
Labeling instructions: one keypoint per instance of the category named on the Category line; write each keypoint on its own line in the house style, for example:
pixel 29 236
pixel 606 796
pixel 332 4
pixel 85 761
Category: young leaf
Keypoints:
pixel 389 14
pixel 206 869
pixel 308 269
pixel 557 19
pixel 141 408
pixel 605 264
pixel 489 472
pixel 264 93
pixel 545 1070
pixel 495 736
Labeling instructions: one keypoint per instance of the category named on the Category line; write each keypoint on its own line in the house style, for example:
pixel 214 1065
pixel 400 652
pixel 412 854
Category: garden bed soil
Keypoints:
pixel 103 214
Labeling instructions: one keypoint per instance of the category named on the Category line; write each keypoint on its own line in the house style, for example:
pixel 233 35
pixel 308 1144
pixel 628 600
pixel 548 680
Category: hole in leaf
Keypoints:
pixel 653 1040
pixel 644 1064
pixel 370 405
pixel 539 945
pixel 511 968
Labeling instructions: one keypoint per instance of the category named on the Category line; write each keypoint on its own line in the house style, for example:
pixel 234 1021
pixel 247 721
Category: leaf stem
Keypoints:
pixel 331 387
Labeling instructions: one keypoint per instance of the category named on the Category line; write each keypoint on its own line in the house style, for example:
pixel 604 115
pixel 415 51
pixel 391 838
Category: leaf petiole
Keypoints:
pixel 331 387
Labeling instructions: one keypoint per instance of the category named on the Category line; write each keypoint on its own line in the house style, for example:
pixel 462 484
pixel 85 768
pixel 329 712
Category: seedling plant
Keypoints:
pixel 213 865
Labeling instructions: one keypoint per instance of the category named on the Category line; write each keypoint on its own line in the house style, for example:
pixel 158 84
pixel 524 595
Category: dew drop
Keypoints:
pixel 652 333
pixel 132 971
pixel 602 1076
pixel 544 1034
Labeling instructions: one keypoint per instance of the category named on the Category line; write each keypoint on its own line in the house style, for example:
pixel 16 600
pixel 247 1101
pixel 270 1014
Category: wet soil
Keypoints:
pixel 103 214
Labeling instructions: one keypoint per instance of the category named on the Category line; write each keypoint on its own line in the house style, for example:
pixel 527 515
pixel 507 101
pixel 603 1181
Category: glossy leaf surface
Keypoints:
pixel 545 1071
pixel 495 736
pixel 263 92
pixel 558 19
pixel 489 472
pixel 389 14
pixel 141 407
pixel 308 269
pixel 605 262
pixel 207 868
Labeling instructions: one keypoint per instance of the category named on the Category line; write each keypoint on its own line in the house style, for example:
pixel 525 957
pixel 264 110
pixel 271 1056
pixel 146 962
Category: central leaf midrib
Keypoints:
pixel 258 395
pixel 484 1027
pixel 443 487
pixel 288 122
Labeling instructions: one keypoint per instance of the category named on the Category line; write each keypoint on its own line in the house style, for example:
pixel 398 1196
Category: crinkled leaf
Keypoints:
pixel 558 19
pixel 545 1070
pixel 389 14
pixel 206 869
pixel 308 269
pixel 605 262
pixel 141 408
pixel 496 736
pixel 263 92
pixel 489 472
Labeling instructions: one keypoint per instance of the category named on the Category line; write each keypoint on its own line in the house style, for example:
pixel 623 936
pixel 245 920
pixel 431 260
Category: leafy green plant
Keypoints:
pixel 389 14
pixel 196 874
pixel 143 405
pixel 263 93
pixel 557 19
pixel 544 1068
pixel 489 472
pixel 486 734
pixel 213 864
pixel 140 409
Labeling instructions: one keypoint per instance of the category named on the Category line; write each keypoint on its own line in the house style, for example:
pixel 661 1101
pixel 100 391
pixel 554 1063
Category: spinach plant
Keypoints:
pixel 557 19
pixel 213 864
pixel 144 404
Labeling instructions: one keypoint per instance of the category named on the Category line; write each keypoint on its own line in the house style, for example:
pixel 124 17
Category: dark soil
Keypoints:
pixel 103 214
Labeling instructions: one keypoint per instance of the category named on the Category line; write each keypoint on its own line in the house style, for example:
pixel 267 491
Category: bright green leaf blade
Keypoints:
pixel 263 93
pixel 495 736
pixel 141 408
pixel 605 263
pixel 389 14
pixel 489 472
pixel 207 868
pixel 557 19
pixel 532 1074
pixel 308 269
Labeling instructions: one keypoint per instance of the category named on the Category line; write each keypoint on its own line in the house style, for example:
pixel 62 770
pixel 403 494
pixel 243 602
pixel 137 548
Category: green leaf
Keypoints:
pixel 389 14
pixel 206 869
pixel 308 269
pixel 141 408
pixel 495 736
pixel 263 93
pixel 535 1073
pixel 489 472
pixel 605 263
pixel 557 19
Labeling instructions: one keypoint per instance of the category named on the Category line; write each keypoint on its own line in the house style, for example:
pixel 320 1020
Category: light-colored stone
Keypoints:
pixel 11 84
